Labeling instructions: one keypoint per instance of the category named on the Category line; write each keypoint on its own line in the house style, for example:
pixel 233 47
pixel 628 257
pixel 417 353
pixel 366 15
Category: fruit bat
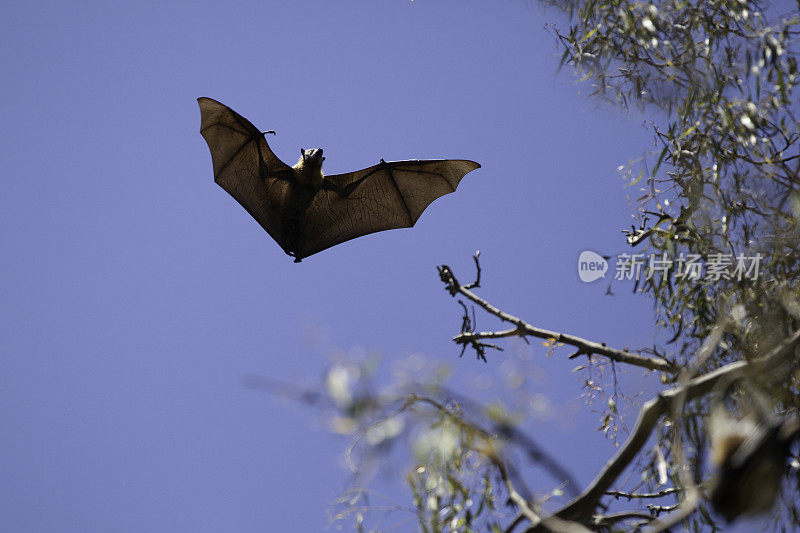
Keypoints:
pixel 306 211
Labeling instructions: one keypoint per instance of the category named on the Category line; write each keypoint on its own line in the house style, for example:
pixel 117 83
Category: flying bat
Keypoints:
pixel 304 210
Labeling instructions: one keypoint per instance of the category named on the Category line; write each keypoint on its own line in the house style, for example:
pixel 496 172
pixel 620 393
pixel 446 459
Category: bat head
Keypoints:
pixel 312 157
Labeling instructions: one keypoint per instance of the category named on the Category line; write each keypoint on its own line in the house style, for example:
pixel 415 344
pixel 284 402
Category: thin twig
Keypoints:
pixel 477 282
pixel 641 495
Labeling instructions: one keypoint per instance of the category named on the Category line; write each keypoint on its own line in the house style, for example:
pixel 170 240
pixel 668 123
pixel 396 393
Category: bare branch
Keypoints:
pixel 523 329
pixel 612 518
pixel 641 495
pixel 477 282
pixel 684 510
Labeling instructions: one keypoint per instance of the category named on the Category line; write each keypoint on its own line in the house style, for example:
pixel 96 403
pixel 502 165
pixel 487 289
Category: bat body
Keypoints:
pixel 306 211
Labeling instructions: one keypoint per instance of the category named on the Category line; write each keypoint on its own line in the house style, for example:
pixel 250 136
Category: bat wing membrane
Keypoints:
pixel 386 196
pixel 246 167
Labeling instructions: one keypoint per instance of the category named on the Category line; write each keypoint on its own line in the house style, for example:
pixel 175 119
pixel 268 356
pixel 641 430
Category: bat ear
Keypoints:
pixel 302 152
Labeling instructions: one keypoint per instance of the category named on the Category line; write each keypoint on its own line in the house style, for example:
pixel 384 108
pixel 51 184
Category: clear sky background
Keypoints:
pixel 136 293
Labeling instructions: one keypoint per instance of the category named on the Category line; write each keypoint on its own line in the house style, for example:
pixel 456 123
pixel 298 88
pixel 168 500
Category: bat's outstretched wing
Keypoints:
pixel 246 168
pixel 386 196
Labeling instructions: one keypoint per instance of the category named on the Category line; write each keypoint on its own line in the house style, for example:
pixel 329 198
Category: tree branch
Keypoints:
pixel 523 329
pixel 581 508
pixel 641 495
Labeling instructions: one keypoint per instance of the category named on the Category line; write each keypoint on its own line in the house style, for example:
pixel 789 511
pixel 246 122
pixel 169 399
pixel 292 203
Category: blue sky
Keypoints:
pixel 136 293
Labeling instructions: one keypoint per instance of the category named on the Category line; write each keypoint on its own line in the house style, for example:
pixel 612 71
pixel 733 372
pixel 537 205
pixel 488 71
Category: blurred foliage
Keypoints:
pixel 460 452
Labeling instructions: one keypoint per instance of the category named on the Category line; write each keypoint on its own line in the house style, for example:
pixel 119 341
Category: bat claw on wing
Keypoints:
pixel 268 131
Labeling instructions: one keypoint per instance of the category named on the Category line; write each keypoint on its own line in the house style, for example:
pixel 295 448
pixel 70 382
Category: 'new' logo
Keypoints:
pixel 591 266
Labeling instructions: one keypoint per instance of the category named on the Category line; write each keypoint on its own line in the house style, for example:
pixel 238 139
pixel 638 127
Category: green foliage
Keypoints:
pixel 718 83
pixel 718 80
